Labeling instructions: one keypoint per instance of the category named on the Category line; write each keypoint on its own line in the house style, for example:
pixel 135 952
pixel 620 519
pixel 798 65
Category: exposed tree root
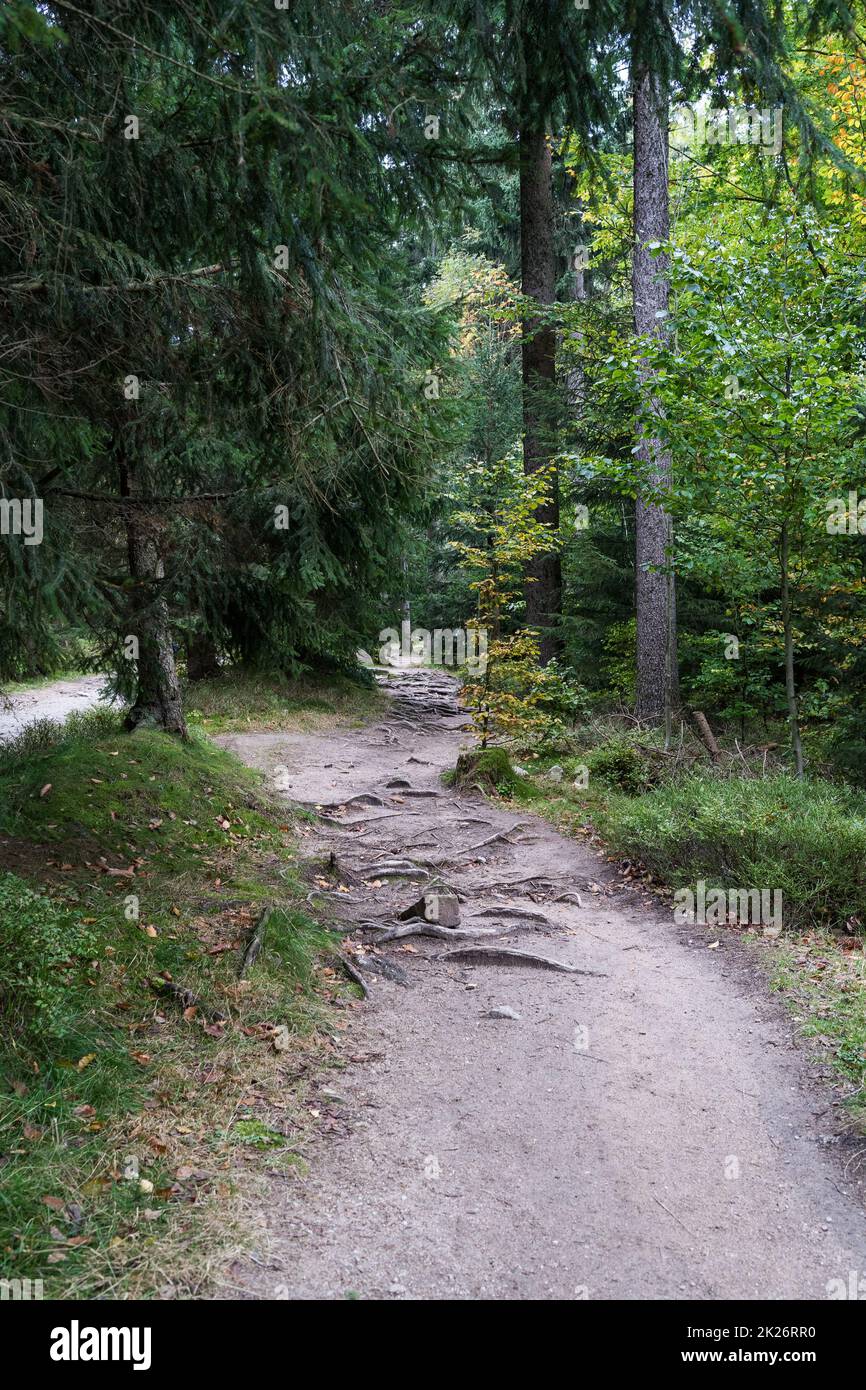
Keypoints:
pixel 381 965
pixel 354 974
pixel 441 933
pixel 524 913
pixel 490 840
pixel 502 955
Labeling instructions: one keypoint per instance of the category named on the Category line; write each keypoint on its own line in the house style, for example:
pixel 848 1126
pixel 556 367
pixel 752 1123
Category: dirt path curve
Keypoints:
pixel 53 701
pixel 647 1132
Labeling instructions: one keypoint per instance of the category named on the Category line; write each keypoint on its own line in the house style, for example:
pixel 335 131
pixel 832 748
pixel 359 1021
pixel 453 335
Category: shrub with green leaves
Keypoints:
pixel 40 943
pixel 620 764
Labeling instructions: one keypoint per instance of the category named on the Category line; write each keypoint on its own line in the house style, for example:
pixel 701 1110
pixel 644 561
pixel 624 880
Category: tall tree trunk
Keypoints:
pixel 538 274
pixel 157 699
pixel 655 595
pixel 788 629
pixel 575 380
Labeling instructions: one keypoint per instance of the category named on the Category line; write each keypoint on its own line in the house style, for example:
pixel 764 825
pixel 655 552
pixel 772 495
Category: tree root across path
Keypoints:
pixel 583 1143
pixel 441 933
pixel 357 875
pixel 502 955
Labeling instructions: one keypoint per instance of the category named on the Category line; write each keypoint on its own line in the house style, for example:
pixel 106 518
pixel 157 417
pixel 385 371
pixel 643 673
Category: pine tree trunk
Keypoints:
pixel 538 272
pixel 655 594
pixel 158 698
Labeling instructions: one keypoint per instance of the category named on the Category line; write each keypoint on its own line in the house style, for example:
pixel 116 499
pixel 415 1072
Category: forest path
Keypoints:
pixel 478 1157
pixel 53 700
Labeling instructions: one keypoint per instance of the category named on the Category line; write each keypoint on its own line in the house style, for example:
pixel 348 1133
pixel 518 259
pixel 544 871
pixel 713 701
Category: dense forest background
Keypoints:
pixel 294 301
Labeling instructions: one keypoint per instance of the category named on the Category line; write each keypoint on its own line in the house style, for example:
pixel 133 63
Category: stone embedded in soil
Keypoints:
pixel 442 908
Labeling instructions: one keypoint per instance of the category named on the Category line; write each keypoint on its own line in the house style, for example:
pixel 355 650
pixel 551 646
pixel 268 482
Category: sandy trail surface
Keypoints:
pixel 53 701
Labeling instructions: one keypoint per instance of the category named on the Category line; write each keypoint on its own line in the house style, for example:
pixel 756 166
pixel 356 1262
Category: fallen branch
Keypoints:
pixel 504 956
pixel 354 974
pixel 705 734
pixel 187 999
pixel 254 945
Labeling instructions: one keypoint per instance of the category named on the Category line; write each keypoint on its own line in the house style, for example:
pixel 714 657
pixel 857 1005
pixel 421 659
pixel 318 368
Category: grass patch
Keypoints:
pixel 822 979
pixel 239 700
pixel 806 839
pixel 119 1107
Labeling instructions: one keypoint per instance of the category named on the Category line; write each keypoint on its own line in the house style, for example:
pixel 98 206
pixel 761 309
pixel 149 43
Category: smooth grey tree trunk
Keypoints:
pixel 538 277
pixel 788 628
pixel 655 594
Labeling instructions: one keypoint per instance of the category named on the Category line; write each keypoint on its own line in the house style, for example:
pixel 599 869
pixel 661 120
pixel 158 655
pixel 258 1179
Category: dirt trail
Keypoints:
pixel 53 701
pixel 647 1132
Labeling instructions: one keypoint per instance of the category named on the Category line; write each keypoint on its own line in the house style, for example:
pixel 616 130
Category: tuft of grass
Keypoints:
pixel 822 980
pixel 152 860
pixel 239 700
